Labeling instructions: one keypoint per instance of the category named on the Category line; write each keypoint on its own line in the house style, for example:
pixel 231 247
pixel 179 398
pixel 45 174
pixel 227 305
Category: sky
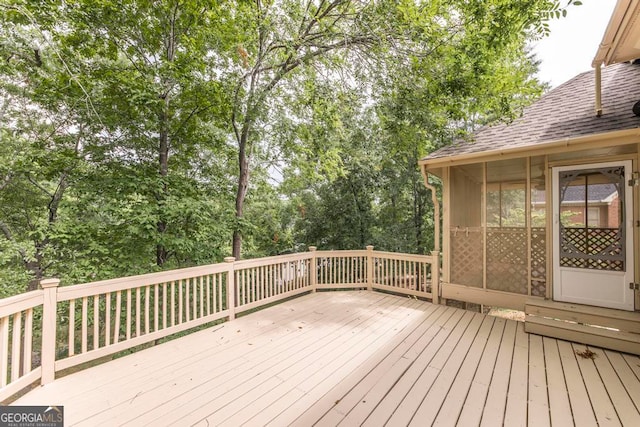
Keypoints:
pixel 573 42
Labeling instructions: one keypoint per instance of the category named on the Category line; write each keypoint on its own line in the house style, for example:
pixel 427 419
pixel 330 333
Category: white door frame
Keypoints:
pixel 589 286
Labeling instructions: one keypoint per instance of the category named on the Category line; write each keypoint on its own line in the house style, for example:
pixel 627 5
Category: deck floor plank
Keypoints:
pixel 354 358
pixel 626 375
pixel 319 408
pixel 358 401
pixel 310 373
pixel 516 410
pixel 427 370
pixel 560 410
pixel 581 406
pixel 634 363
pixel 436 380
pixel 493 413
pixel 214 396
pixel 601 402
pixel 476 398
pixel 231 369
pixel 538 405
pixel 620 397
pixel 453 402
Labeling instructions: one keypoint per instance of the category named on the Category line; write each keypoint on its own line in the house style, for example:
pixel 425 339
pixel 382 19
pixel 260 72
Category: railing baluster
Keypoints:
pixel 187 306
pixel 180 296
pixel 107 321
pixel 16 351
pixel 138 313
pixel 72 328
pixel 128 331
pixel 118 313
pixel 164 305
pixel 156 307
pixel 194 288
pixel 201 299
pixel 28 340
pixel 214 291
pixel 147 292
pixel 254 287
pixel 207 282
pixel 173 303
pixel 4 350
pixel 85 305
pixel 96 321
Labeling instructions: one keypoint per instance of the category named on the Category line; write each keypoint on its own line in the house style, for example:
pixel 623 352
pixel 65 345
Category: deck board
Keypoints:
pixel 560 412
pixel 493 413
pixel 538 408
pixel 475 402
pixel 354 358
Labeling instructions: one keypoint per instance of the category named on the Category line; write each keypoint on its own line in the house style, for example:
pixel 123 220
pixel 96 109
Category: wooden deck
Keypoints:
pixel 355 358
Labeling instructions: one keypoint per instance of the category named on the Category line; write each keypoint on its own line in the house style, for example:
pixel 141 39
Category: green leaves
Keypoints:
pixel 123 122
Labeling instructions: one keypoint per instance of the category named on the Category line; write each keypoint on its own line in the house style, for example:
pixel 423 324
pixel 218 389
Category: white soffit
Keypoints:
pixel 621 40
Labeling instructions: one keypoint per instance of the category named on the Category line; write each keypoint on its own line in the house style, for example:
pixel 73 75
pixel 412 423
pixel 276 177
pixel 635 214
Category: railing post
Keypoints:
pixel 49 321
pixel 313 274
pixel 435 277
pixel 369 267
pixel 231 287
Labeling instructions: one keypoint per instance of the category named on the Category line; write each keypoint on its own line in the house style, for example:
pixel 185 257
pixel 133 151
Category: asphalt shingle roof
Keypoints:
pixel 565 112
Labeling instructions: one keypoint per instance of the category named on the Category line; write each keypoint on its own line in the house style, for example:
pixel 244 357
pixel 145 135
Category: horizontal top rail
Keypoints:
pixel 342 254
pixel 113 285
pixel 278 259
pixel 403 257
pixel 18 303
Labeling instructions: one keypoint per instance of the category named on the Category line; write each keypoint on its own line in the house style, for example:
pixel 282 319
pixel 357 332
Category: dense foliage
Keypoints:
pixel 140 135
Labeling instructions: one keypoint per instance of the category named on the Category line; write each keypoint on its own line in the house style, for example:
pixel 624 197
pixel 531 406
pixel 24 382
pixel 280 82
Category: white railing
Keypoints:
pixel 45 331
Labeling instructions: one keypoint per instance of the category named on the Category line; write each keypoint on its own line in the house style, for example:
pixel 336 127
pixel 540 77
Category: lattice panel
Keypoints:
pixel 507 260
pixel 538 262
pixel 593 248
pixel 466 257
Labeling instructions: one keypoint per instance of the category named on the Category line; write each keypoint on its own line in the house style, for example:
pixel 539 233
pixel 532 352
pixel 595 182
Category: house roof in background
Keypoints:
pixel 598 193
pixel 565 112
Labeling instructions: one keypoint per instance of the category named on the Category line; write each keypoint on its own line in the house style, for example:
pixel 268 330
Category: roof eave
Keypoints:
pixel 604 139
pixel 621 40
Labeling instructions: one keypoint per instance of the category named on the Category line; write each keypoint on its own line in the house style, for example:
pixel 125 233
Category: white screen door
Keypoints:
pixel 592 235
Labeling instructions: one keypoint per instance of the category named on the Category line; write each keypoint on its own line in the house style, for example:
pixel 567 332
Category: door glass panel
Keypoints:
pixel 591 219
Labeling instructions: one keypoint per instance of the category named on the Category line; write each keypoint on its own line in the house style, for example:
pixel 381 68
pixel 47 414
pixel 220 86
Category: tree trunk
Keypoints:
pixel 241 194
pixel 163 170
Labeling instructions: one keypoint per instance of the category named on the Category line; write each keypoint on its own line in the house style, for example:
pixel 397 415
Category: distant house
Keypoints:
pixel 599 209
pixel 544 211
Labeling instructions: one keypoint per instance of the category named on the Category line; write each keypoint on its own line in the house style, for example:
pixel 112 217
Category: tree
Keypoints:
pixel 368 40
pixel 113 141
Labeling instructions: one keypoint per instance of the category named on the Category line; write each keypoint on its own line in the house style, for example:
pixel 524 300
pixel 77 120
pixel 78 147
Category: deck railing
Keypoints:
pixel 55 328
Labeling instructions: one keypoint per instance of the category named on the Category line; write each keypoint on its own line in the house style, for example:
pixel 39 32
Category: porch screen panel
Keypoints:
pixel 466 225
pixel 592 235
pixel 507 260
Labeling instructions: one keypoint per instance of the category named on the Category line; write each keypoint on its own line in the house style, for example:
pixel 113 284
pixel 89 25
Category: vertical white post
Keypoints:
pixel 313 274
pixel 231 287
pixel 435 277
pixel 369 268
pixel 49 320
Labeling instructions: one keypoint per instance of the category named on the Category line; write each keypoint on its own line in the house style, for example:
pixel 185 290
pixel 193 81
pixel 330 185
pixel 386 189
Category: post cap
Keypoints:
pixel 312 248
pixel 229 259
pixel 49 283
pixel 369 247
